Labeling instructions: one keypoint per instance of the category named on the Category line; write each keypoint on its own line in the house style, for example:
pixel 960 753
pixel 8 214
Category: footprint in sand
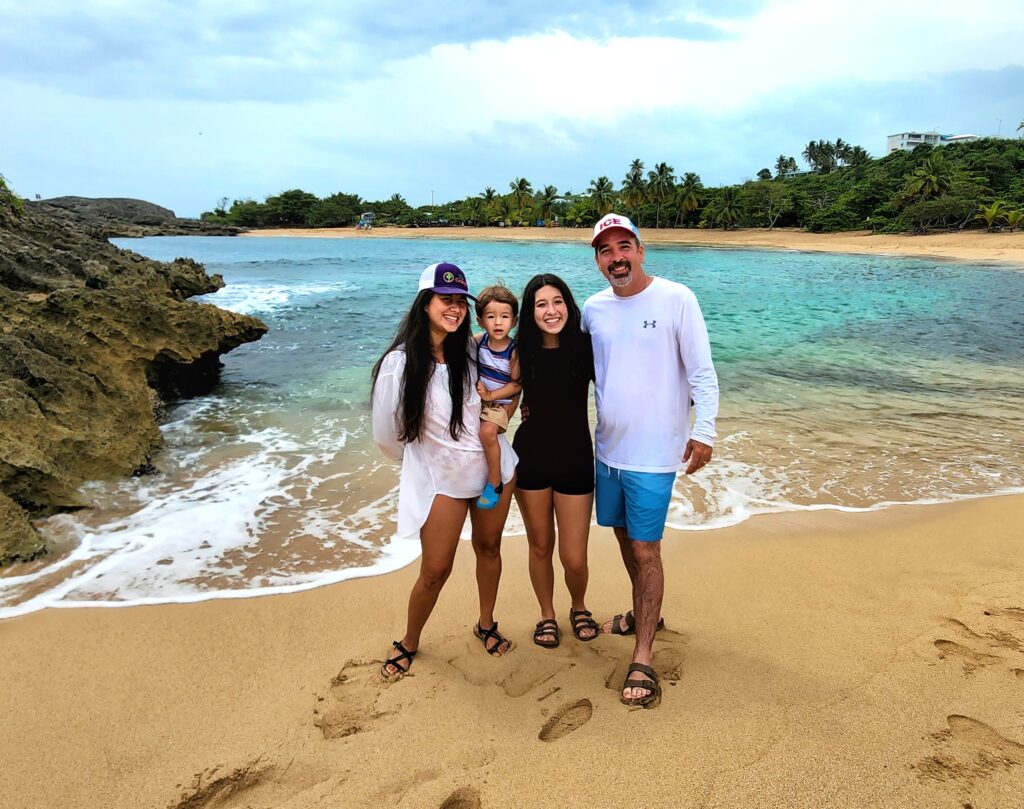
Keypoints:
pixel 516 676
pixel 567 719
pixel 463 798
pixel 970 659
pixel 969 750
pixel 354 692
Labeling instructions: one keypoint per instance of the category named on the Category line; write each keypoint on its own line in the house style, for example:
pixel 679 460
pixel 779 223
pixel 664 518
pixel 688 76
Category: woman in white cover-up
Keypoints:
pixel 426 413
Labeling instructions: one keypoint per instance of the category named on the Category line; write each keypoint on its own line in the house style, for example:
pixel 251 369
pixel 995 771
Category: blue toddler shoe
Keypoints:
pixel 490 496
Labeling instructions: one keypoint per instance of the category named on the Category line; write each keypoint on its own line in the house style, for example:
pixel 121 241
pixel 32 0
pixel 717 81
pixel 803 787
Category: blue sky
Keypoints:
pixel 182 103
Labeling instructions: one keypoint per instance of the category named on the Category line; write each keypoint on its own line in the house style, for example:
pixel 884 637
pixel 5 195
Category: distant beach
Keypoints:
pixel 965 245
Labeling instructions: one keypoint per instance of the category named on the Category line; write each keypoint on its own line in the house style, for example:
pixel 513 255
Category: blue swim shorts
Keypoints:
pixel 636 501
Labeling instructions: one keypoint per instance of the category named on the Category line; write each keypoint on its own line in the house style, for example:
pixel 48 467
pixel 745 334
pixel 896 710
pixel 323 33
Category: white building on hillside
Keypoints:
pixel 908 141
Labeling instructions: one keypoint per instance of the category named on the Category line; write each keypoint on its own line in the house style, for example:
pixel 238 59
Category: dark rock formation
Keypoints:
pixel 126 217
pixel 93 339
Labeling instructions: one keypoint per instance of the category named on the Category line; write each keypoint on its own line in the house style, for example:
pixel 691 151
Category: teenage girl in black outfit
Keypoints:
pixel 555 475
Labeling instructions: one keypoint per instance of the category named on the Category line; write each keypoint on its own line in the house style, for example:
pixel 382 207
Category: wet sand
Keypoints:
pixel 967 246
pixel 811 659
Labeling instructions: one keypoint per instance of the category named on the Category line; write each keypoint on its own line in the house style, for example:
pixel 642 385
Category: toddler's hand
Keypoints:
pixel 481 390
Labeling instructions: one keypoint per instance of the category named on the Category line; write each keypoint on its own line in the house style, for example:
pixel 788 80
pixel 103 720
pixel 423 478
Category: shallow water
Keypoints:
pixel 847 382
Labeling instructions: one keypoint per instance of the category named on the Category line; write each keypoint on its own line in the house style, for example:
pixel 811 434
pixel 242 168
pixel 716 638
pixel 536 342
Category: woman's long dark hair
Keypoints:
pixel 414 336
pixel 529 336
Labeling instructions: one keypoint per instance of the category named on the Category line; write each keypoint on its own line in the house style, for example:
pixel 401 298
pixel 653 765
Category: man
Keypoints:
pixel 651 358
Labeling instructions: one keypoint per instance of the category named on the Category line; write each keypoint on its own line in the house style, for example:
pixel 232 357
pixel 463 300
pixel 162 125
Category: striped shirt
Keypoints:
pixel 495 366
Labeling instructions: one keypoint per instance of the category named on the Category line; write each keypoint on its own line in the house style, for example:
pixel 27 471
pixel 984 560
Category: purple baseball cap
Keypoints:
pixel 444 278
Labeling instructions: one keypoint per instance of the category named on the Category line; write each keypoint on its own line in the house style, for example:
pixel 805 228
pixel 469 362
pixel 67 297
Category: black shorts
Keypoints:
pixel 533 478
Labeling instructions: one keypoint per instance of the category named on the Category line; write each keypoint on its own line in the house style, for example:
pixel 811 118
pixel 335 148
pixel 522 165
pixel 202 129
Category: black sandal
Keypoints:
pixel 544 628
pixel 583 619
pixel 396 660
pixel 649 700
pixel 492 633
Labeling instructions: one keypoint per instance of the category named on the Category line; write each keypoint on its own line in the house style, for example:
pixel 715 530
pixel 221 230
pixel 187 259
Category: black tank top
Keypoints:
pixel 556 433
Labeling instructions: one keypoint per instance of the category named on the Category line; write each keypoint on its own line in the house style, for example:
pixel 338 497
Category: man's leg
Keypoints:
pixel 648 592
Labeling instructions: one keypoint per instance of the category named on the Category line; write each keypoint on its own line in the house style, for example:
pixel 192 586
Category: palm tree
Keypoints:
pixel 933 178
pixel 602 195
pixel 634 190
pixel 857 156
pixel 842 151
pixel 728 207
pixel 475 210
pixel 1014 219
pixel 546 201
pixel 1020 126
pixel 661 182
pixel 689 194
pixel 488 195
pixel 521 191
pixel 781 165
pixel 991 213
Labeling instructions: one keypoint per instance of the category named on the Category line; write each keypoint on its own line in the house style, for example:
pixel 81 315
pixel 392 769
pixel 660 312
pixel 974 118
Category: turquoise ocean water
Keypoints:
pixel 847 382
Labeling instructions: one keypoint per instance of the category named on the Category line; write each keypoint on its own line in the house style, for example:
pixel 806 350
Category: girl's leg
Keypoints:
pixel 573 512
pixel 488 525
pixel 439 539
pixel 538 516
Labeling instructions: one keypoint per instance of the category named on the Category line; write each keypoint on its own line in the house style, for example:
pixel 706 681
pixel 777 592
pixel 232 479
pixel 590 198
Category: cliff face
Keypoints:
pixel 92 340
pixel 125 217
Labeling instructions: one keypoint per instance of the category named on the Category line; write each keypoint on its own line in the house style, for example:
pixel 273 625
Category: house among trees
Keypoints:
pixel 908 141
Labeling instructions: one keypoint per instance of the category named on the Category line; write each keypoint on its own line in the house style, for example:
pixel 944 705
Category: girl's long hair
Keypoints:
pixel 529 335
pixel 414 336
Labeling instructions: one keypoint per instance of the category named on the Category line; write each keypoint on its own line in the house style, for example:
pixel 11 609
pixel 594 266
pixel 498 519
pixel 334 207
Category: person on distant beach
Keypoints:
pixel 426 412
pixel 496 311
pixel 555 476
pixel 652 358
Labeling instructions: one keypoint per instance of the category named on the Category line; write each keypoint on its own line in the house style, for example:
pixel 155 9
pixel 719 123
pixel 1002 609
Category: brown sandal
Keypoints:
pixel 583 619
pixel 630 621
pixel 649 700
pixel 547 627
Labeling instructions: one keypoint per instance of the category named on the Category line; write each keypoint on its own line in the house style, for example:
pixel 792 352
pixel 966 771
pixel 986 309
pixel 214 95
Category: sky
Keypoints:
pixel 185 102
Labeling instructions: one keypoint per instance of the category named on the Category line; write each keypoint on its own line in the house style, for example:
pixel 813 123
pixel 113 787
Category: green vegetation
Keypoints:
pixel 962 185
pixel 8 199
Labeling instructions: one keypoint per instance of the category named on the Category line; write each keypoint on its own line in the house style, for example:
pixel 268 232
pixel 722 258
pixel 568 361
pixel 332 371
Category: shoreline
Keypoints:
pixel 853 659
pixel 975 246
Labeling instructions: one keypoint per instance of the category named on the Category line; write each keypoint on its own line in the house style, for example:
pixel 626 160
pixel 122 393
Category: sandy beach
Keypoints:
pixel 967 246
pixel 811 659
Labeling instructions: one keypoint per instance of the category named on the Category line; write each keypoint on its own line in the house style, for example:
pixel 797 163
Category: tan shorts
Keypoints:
pixel 496 414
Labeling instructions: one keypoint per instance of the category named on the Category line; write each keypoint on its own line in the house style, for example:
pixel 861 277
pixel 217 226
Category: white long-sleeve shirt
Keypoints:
pixel 435 464
pixel 651 357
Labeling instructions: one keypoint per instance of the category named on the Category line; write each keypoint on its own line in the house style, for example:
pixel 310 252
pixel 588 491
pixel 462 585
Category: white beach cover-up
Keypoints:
pixel 435 464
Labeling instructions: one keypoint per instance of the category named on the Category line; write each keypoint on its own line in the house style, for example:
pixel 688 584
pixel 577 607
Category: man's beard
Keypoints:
pixel 620 281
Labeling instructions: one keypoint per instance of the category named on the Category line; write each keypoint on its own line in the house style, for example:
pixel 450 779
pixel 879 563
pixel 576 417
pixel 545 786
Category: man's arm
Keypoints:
pixel 695 351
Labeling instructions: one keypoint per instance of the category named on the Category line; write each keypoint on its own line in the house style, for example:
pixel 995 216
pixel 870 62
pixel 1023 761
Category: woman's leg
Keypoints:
pixel 439 539
pixel 573 513
pixel 538 516
pixel 488 525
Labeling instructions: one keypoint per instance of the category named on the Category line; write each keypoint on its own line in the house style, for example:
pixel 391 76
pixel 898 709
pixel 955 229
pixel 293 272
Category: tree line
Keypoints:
pixel 961 185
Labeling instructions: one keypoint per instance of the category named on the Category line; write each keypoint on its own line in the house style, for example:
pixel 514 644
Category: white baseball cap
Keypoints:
pixel 614 220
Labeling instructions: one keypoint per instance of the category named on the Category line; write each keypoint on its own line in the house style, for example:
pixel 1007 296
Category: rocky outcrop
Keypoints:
pixel 126 217
pixel 93 339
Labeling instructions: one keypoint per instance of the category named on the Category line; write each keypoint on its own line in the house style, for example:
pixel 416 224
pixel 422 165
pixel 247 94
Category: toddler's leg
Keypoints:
pixel 492 452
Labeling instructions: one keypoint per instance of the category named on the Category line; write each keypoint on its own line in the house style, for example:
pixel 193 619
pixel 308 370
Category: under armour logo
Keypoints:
pixel 653 324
